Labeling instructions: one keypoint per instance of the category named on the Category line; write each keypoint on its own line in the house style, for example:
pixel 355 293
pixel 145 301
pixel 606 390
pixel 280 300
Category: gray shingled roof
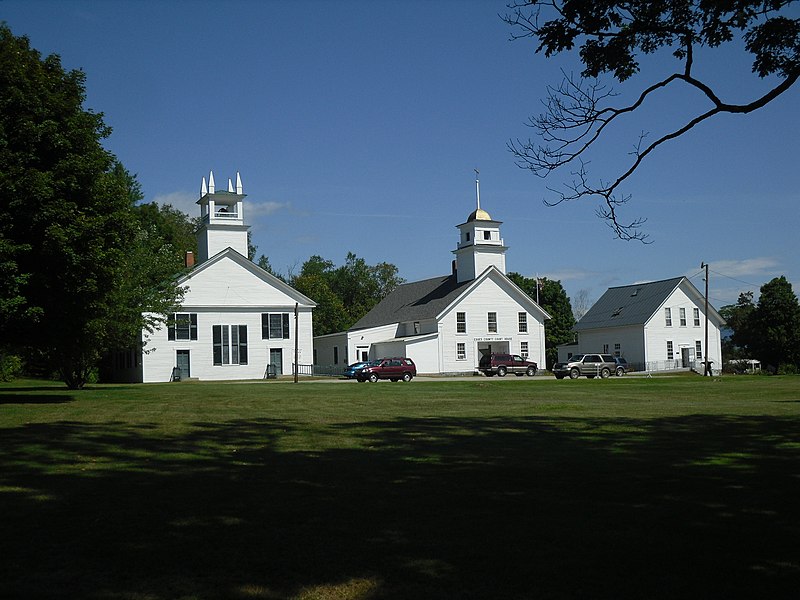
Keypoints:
pixel 414 302
pixel 628 304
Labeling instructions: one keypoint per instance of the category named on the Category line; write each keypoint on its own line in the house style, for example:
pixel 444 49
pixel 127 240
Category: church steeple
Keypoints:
pixel 222 219
pixel 480 245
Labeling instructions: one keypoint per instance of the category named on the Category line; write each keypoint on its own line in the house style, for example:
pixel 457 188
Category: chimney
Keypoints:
pixel 189 259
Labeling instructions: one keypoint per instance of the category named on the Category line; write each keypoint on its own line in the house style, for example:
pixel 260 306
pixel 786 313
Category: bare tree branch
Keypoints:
pixel 576 113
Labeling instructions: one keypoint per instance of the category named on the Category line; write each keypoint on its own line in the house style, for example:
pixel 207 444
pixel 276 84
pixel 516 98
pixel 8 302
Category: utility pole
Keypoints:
pixel 706 362
pixel 296 341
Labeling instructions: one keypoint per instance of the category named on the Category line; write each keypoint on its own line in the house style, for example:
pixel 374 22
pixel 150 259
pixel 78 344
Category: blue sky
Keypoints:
pixel 356 126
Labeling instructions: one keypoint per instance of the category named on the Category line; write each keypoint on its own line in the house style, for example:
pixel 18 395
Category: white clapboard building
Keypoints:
pixel 236 319
pixel 445 324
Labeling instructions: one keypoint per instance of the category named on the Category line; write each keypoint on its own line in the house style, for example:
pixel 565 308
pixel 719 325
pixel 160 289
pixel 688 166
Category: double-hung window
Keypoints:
pixel 461 351
pixel 670 350
pixel 461 322
pixel 274 326
pixel 698 350
pixel 182 326
pixel 229 344
pixel 523 322
pixel 491 322
pixel 668 317
pixel 682 313
pixel 523 350
pixel 696 316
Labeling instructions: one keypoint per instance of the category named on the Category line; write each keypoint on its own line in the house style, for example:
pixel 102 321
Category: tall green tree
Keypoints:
pixel 77 277
pixel 168 226
pixel 610 37
pixel 739 318
pixel 554 299
pixel 775 323
pixel 346 293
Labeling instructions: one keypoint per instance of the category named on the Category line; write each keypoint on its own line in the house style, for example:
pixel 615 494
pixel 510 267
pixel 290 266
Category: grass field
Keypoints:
pixel 625 488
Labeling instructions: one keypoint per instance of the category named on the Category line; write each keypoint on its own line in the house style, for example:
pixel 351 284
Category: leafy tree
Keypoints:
pixel 171 226
pixel 78 275
pixel 739 319
pixel 344 294
pixel 610 37
pixel 552 298
pixel 776 324
pixel 263 262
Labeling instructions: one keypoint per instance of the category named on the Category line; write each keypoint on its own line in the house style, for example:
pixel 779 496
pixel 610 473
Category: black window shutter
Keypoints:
pixel 193 326
pixel 264 326
pixel 286 326
pixel 242 344
pixel 171 327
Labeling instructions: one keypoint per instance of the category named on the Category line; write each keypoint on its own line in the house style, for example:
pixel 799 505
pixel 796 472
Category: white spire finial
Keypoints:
pixel 238 183
pixel 211 186
pixel 203 188
pixel 477 188
pixel 230 185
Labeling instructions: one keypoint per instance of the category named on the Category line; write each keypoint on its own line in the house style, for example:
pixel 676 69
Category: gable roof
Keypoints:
pixel 247 264
pixel 414 301
pixel 634 304
pixel 429 298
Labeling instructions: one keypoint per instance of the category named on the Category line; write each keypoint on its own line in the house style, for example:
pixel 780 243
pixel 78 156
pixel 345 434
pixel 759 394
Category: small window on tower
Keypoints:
pixel 487 235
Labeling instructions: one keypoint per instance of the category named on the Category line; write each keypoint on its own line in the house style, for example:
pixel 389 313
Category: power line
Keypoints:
pixel 737 280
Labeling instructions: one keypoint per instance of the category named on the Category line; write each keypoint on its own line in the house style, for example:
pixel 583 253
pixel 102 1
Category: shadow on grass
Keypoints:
pixel 28 398
pixel 693 507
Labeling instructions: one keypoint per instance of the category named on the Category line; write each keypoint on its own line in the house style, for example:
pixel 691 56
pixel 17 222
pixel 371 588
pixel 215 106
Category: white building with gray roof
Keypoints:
pixel 445 324
pixel 655 326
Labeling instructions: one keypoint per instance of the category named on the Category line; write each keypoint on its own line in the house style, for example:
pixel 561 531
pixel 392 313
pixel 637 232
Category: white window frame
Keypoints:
pixel 682 316
pixel 523 350
pixel 461 322
pixel 461 351
pixel 491 322
pixel 668 316
pixel 696 316
pixel 698 350
pixel 670 350
pixel 523 322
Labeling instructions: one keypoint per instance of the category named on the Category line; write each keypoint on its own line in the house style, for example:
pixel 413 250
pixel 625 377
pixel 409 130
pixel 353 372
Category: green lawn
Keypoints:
pixel 641 488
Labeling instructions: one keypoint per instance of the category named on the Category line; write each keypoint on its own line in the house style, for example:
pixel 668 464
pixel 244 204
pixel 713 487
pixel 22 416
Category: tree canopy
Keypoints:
pixel 610 38
pixel 768 330
pixel 346 293
pixel 80 272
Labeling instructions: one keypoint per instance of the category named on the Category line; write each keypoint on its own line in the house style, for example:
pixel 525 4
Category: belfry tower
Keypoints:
pixel 222 219
pixel 480 245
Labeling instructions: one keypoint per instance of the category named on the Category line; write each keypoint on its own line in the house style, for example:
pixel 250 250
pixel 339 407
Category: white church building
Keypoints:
pixel 235 320
pixel 445 324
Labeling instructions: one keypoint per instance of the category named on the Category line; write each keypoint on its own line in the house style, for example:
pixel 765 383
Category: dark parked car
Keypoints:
pixel 589 365
pixel 351 371
pixel 622 366
pixel 393 369
pixel 500 364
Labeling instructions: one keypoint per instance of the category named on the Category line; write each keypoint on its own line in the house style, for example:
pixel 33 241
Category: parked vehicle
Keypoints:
pixel 500 364
pixel 393 369
pixel 622 366
pixel 589 365
pixel 351 371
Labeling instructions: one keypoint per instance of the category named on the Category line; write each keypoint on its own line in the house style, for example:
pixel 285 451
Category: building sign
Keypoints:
pixel 493 339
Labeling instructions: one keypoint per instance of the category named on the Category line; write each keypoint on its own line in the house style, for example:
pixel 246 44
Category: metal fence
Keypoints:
pixel 318 370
